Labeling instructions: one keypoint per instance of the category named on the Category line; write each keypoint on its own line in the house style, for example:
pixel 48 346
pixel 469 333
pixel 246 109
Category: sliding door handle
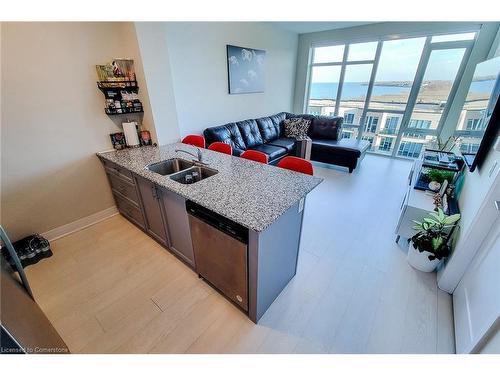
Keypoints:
pixel 497 205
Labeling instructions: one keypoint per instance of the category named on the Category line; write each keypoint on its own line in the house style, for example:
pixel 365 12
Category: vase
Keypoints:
pixel 420 260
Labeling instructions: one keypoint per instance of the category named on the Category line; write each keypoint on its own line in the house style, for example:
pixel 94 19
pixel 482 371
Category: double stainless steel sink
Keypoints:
pixel 170 166
pixel 182 171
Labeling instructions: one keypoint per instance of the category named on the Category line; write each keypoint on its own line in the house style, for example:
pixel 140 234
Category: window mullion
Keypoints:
pixel 337 63
pixel 370 87
pixel 341 80
pixel 415 88
pixel 452 44
pixel 328 64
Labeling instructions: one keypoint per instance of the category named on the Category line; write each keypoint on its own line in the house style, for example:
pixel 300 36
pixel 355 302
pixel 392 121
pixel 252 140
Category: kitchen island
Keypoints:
pixel 265 200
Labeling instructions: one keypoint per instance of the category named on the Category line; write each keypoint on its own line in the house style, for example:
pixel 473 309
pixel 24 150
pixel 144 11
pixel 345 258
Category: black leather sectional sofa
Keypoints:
pixel 266 134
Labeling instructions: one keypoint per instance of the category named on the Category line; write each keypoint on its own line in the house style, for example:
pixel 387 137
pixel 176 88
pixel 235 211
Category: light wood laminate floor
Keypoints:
pixel 112 289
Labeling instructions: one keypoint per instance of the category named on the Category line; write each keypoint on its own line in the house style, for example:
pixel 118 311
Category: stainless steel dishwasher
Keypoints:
pixel 220 252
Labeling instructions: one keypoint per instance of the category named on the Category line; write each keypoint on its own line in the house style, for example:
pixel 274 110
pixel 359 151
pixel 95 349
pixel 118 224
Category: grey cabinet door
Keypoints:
pixel 177 222
pixel 152 211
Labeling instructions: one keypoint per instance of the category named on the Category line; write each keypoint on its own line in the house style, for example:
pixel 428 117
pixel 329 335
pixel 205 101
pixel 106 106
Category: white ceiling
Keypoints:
pixel 310 27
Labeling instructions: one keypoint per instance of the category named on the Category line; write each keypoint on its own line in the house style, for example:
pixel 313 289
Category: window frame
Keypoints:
pixel 370 122
pixel 386 141
pixel 351 122
pixel 429 46
pixel 411 148
pixel 390 122
pixel 417 83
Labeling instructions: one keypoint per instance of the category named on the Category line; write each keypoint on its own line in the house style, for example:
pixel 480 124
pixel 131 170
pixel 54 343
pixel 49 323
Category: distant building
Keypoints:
pixel 381 128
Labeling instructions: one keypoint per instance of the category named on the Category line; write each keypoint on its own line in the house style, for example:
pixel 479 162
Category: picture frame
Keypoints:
pixel 245 69
pixel 118 140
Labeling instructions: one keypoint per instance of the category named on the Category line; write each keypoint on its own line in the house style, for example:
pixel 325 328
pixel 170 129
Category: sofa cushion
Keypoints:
pixel 287 143
pixel 343 146
pixel 304 116
pixel 250 133
pixel 274 152
pixel 277 120
pixel 238 151
pixel 325 127
pixel 268 128
pixel 296 127
pixel 229 133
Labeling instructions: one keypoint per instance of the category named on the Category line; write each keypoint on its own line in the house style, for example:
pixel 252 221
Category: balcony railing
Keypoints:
pixel 388 131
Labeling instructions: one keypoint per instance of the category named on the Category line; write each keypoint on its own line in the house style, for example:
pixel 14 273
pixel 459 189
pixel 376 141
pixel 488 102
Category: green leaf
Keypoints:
pixel 441 215
pixel 434 215
pixel 437 242
pixel 430 221
pixel 452 219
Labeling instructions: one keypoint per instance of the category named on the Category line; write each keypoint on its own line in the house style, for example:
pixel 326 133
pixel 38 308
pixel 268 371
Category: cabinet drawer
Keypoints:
pixel 129 210
pixel 123 187
pixel 112 168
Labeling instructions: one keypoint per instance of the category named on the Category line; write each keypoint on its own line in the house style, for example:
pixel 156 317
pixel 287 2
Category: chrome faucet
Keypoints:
pixel 198 155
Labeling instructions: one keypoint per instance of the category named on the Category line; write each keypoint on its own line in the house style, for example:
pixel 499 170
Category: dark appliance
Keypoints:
pixel 220 252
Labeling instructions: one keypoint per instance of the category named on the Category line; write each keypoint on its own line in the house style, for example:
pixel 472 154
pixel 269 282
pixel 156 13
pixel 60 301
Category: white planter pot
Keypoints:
pixel 420 260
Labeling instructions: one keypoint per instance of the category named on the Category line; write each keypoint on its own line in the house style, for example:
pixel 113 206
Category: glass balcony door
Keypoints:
pixel 409 103
pixel 398 63
pixel 435 84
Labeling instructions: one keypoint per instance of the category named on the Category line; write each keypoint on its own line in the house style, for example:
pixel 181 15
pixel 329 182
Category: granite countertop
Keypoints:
pixel 249 193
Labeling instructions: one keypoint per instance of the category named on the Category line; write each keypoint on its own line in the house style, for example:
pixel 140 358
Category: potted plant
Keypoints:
pixel 430 245
pixel 436 177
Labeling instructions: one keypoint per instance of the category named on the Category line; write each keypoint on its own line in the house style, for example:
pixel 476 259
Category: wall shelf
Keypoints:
pixel 117 85
pixel 126 111
pixel 112 91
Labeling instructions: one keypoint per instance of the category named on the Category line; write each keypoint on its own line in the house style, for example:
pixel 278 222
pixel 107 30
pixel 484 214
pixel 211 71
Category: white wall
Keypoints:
pixel 492 346
pixel 53 121
pixel 476 300
pixel 154 51
pixel 476 185
pixel 199 71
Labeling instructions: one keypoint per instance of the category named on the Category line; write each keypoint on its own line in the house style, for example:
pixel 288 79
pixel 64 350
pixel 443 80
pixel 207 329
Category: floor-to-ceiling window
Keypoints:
pixel 394 92
pixel 393 80
pixel 339 77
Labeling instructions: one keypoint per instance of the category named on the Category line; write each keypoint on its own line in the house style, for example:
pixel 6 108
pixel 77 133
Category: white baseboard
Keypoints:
pixel 80 224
